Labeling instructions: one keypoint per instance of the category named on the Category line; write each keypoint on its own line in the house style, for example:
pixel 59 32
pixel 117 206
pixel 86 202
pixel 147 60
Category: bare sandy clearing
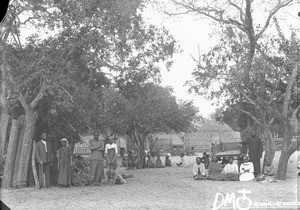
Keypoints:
pixel 166 188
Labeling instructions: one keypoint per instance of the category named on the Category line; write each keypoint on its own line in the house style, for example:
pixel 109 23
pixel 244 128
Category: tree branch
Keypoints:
pixel 250 115
pixel 271 14
pixel 294 115
pixel 23 101
pixel 206 11
pixel 240 11
pixel 39 96
pixel 247 97
pixel 288 91
pixel 71 98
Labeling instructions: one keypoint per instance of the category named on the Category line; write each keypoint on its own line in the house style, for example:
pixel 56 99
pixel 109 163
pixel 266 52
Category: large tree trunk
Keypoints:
pixel 36 179
pixel 288 148
pixel 19 149
pixel 11 154
pixel 286 152
pixel 4 119
pixel 30 120
pixel 269 145
pixel 140 147
pixel 141 151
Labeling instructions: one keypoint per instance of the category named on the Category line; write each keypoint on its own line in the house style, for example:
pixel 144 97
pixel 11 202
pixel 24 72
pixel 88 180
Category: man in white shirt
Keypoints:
pixel 199 169
pixel 43 154
pixel 231 171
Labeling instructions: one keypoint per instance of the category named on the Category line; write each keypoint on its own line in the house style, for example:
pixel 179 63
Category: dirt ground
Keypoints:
pixel 165 188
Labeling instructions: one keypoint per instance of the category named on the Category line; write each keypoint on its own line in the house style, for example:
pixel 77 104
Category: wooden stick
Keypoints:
pixel 120 177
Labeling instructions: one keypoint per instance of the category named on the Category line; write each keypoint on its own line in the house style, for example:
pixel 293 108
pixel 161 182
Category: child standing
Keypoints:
pixel 111 151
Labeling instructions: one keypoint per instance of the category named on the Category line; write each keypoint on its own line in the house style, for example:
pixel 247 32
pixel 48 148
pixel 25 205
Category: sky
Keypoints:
pixel 193 38
pixel 192 35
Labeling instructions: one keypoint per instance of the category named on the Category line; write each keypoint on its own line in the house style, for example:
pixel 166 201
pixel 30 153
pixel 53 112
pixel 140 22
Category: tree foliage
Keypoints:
pixel 84 64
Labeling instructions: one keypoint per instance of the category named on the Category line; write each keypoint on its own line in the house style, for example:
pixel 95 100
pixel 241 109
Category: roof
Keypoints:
pixel 213 131
pixel 214 126
pixel 175 139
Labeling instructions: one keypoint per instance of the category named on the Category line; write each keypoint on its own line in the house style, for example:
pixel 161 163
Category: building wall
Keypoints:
pixel 201 141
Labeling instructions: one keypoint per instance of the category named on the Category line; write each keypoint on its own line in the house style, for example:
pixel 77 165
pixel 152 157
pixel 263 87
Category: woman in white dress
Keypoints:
pixel 246 170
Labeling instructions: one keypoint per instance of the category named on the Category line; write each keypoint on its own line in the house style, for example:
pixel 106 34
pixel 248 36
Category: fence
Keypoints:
pixel 81 149
pixel 199 146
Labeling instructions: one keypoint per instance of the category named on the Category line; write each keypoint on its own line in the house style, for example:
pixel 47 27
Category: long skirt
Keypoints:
pixel 246 176
pixel 216 177
pixel 231 177
pixel 64 176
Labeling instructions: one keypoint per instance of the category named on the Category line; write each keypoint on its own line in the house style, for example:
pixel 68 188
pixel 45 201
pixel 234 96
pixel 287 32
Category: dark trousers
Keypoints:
pixel 256 164
pixel 44 175
pixel 96 169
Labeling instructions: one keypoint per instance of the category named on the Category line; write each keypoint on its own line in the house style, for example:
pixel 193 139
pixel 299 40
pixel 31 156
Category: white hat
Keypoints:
pixel 64 139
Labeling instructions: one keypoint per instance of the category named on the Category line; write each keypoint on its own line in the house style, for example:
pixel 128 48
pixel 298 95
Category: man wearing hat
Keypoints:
pixel 43 154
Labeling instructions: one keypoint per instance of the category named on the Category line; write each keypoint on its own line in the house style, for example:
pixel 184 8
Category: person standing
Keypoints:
pixel 255 151
pixel 44 157
pixel 111 151
pixel 96 165
pixel 64 164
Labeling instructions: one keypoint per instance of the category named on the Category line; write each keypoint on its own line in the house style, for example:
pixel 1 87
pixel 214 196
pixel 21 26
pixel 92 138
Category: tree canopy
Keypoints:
pixel 91 64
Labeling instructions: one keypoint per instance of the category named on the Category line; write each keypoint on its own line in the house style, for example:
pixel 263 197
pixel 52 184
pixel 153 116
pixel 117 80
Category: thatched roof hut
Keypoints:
pixel 167 141
pixel 208 133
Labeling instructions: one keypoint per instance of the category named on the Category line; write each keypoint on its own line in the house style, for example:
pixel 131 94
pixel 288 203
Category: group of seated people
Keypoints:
pixel 151 160
pixel 130 161
pixel 155 161
pixel 217 169
pixel 230 171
